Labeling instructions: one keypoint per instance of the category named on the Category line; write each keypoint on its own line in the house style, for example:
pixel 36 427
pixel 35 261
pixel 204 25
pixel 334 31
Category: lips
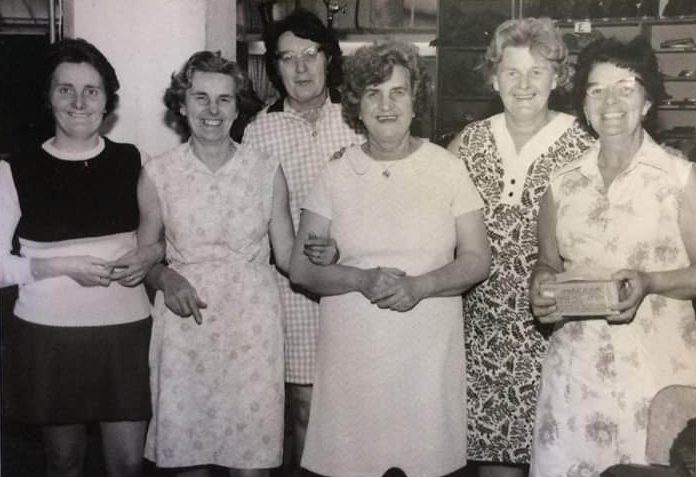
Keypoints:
pixel 211 122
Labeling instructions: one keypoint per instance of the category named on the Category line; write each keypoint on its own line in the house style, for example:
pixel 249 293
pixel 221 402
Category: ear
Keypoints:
pixel 182 110
pixel 554 81
pixel 646 107
pixel 496 85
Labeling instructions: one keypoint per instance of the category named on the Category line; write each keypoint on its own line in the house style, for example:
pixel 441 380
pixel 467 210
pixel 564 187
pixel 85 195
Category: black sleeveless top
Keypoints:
pixel 62 200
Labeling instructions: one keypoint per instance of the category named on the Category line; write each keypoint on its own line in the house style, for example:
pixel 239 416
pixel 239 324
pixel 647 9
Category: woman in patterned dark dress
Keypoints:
pixel 78 343
pixel 510 157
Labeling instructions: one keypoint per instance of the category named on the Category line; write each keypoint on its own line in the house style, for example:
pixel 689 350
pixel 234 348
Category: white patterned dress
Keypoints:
pixel 504 344
pixel 598 378
pixel 217 388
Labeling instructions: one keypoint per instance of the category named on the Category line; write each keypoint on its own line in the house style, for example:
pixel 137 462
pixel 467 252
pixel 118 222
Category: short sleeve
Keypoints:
pixel 466 197
pixel 319 199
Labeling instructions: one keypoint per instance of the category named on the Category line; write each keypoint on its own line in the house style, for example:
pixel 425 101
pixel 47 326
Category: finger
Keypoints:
pixel 382 293
pixel 550 319
pixel 318 242
pixel 177 307
pixel 393 271
pixel 542 312
pixel 196 312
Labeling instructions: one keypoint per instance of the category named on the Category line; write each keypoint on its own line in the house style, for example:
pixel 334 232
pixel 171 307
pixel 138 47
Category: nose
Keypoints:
pixel 610 95
pixel 213 107
pixel 300 64
pixel 524 81
pixel 78 101
pixel 384 102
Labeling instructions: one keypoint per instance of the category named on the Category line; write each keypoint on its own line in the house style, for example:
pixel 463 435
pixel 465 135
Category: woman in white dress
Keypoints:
pixel 626 210
pixel 217 379
pixel 390 387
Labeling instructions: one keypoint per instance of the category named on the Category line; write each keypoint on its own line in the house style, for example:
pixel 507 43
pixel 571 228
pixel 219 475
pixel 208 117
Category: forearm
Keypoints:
pixel 455 278
pixel 679 283
pixel 326 280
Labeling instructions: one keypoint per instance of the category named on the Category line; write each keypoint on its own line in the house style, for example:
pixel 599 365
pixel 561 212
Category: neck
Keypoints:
pixel 312 103
pixel 67 143
pixel 387 150
pixel 527 126
pixel 617 152
pixel 211 154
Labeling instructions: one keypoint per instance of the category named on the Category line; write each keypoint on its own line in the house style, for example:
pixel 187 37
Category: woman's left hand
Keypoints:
pixel 130 269
pixel 402 296
pixel 321 250
pixel 634 287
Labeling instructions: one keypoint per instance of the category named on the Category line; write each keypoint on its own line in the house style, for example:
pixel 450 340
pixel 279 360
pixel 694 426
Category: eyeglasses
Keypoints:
pixel 622 88
pixel 308 56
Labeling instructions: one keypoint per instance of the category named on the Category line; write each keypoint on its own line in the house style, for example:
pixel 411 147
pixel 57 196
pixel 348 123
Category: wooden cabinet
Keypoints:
pixel 463 95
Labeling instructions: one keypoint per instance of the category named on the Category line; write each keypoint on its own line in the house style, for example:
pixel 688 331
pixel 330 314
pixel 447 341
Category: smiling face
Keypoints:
pixel 302 67
pixel 78 101
pixel 618 103
pixel 524 81
pixel 210 107
pixel 386 109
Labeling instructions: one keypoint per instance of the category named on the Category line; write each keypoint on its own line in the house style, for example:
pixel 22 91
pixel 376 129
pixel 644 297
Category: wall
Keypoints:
pixel 147 40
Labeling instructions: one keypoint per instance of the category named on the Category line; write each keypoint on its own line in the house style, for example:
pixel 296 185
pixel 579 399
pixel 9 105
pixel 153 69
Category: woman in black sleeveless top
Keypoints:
pixel 78 341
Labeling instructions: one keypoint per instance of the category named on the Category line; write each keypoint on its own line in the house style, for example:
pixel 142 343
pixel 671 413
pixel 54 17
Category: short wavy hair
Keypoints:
pixel 303 24
pixel 636 55
pixel 540 35
pixel 78 50
pixel 374 64
pixel 248 103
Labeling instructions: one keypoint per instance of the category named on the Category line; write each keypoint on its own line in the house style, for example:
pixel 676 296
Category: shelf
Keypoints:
pixel 678 79
pixel 677 107
pixel 660 51
pixel 605 22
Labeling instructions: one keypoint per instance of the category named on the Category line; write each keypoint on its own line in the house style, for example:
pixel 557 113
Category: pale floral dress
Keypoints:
pixel 598 379
pixel 217 388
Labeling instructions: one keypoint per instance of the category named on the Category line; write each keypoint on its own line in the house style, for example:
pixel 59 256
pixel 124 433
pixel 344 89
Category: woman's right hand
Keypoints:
pixel 375 281
pixel 180 296
pixel 86 270
pixel 543 304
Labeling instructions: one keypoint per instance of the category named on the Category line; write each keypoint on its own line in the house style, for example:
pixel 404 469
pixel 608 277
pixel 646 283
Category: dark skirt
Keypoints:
pixel 56 375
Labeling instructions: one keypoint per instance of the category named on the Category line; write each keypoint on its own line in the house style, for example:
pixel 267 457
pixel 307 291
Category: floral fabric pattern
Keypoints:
pixel 504 348
pixel 217 388
pixel 598 379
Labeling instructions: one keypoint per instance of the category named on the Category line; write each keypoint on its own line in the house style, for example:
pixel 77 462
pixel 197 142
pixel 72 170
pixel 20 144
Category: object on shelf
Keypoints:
pixel 687 74
pixel 578 41
pixel 679 8
pixel 679 44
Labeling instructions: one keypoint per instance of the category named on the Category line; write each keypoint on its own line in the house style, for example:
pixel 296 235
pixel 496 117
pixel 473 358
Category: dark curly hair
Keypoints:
pixel 248 103
pixel 636 55
pixel 303 24
pixel 77 50
pixel 374 64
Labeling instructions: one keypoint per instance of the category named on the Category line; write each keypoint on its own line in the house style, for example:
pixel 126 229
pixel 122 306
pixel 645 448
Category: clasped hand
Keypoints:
pixel 390 288
pixel 130 268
